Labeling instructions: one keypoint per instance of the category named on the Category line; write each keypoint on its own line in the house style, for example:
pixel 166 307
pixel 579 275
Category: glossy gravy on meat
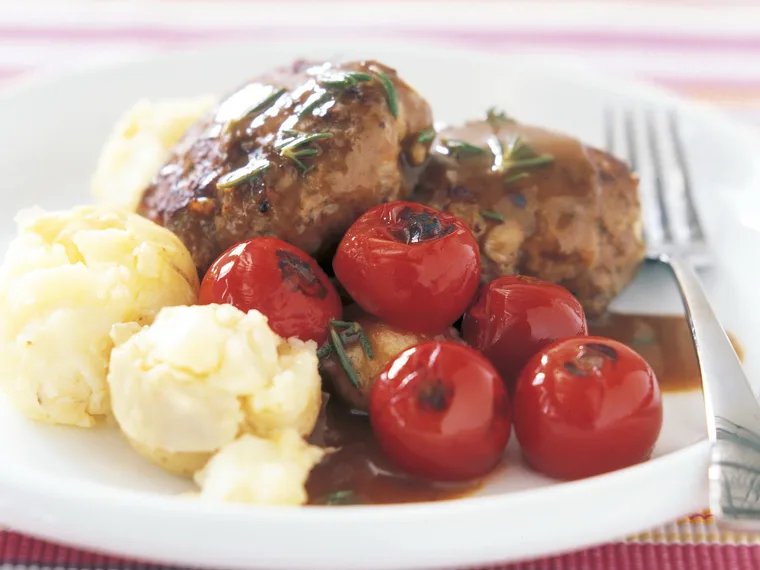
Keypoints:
pixel 359 473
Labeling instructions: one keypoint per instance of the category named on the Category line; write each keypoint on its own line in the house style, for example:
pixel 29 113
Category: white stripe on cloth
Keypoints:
pixel 716 17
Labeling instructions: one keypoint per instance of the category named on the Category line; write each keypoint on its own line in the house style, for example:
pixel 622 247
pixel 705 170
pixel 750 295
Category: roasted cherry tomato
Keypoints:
pixel 413 266
pixel 514 317
pixel 439 410
pixel 280 281
pixel 585 406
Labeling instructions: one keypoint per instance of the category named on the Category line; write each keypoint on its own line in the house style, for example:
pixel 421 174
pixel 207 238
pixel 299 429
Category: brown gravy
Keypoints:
pixel 360 468
pixel 359 473
pixel 664 341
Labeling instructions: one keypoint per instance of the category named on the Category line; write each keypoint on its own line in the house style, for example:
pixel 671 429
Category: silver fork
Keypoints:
pixel 675 237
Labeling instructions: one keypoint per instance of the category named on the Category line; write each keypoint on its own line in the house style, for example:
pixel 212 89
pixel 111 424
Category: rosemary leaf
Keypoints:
pixel 302 139
pixel 248 172
pixel 342 497
pixel 390 90
pixel 316 102
pixel 366 344
pixel 516 177
pixel 343 78
pixel 461 148
pixel 324 351
pixel 491 215
pixel 497 117
pixel 353 332
pixel 521 155
pixel 532 161
pixel 345 362
pixel 263 104
pixel 426 136
pixel 292 147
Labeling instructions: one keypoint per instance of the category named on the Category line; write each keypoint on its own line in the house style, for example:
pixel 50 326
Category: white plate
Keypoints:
pixel 88 489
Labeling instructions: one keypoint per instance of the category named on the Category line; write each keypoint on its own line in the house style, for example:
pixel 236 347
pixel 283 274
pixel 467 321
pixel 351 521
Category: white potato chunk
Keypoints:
pixel 260 471
pixel 67 278
pixel 200 376
pixel 140 144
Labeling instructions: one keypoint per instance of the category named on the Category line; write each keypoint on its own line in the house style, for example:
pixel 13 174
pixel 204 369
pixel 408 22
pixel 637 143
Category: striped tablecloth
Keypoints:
pixel 703 49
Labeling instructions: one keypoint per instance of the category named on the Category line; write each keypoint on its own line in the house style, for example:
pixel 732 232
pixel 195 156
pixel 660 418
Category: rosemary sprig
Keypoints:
pixel 248 172
pixel 342 497
pixel 491 215
pixel 323 97
pixel 263 104
pixel 459 148
pixel 343 78
pixel 496 118
pixel 426 136
pixel 331 82
pixel 516 177
pixel 390 90
pixel 324 351
pixel 522 155
pixel 293 146
pixel 345 362
pixel 353 331
pixel 256 108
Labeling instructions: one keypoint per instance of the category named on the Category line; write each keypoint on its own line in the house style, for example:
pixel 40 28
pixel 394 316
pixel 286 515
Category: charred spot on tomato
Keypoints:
pixel 298 274
pixel 603 349
pixel 574 369
pixel 587 362
pixel 416 227
pixel 435 395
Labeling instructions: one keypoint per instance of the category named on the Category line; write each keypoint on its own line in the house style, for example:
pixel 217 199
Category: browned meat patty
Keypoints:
pixel 299 154
pixel 540 204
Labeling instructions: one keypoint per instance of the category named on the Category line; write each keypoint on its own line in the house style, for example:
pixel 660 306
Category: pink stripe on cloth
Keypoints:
pixel 521 36
pixel 25 552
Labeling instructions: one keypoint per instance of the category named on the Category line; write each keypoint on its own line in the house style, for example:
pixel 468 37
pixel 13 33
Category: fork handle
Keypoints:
pixel 733 415
pixel 728 395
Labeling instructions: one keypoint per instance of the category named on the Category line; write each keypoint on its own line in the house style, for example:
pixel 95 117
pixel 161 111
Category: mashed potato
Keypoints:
pixel 140 144
pixel 68 277
pixel 200 376
pixel 260 471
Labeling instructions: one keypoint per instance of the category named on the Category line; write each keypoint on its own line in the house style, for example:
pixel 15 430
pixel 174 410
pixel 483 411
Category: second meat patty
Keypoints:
pixel 540 203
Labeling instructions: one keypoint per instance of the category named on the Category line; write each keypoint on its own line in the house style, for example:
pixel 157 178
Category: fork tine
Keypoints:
pixel 692 219
pixel 609 130
pixel 629 128
pixel 657 168
pixel 630 141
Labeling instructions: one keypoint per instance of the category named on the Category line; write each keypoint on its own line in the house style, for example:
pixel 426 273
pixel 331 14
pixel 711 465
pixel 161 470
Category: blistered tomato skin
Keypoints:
pixel 513 317
pixel 586 406
pixel 410 265
pixel 441 412
pixel 280 281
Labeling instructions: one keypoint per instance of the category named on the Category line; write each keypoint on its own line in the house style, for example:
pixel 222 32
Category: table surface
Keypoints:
pixel 702 49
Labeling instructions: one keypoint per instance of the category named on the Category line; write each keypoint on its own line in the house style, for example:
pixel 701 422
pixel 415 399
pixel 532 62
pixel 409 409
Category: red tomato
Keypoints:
pixel 280 281
pixel 439 410
pixel 514 317
pixel 585 406
pixel 410 265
